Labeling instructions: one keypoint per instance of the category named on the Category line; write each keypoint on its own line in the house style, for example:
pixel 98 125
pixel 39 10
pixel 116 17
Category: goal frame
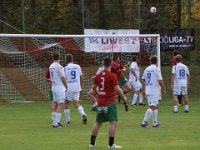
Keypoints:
pixel 157 36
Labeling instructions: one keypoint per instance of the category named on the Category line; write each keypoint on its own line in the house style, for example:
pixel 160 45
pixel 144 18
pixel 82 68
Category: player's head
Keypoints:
pixel 116 57
pixel 69 58
pixel 176 52
pixel 178 58
pixel 134 58
pixel 153 59
pixel 107 62
pixel 56 57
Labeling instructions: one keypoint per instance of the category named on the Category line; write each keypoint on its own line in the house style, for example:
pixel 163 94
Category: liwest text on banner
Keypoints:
pixel 111 44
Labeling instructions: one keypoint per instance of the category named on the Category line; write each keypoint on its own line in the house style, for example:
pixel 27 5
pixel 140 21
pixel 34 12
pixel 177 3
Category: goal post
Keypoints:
pixel 25 58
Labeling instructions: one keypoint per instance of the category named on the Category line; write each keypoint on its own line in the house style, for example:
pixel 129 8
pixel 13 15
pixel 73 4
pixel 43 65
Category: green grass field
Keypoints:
pixel 28 127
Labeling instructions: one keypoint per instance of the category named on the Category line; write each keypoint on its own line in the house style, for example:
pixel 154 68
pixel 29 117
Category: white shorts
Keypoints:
pixel 180 90
pixel 58 94
pixel 153 100
pixel 136 85
pixel 70 96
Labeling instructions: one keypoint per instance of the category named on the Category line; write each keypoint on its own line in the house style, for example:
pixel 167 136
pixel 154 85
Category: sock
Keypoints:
pixel 58 117
pixel 186 108
pixel 55 120
pixel 111 141
pixel 92 139
pixel 67 115
pixel 154 117
pixel 140 98
pixel 81 111
pixel 52 115
pixel 147 115
pixel 95 104
pixel 175 108
pixel 135 96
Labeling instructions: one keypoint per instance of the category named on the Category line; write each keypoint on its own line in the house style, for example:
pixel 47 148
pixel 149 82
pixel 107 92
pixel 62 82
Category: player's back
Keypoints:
pixel 72 75
pixel 56 72
pixel 106 82
pixel 180 71
pixel 116 69
pixel 136 69
pixel 151 76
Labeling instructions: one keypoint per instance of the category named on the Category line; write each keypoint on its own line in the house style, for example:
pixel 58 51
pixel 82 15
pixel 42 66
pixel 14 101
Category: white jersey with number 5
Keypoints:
pixel 56 72
pixel 180 71
pixel 151 76
pixel 72 75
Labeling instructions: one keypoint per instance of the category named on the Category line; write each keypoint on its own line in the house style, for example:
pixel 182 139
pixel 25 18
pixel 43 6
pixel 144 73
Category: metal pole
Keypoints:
pixel 139 3
pixel 23 17
pixel 83 15
pixel 189 24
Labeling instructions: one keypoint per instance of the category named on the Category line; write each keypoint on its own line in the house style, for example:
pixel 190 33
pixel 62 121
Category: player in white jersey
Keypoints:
pixel 59 86
pixel 74 76
pixel 152 83
pixel 91 93
pixel 134 79
pixel 179 82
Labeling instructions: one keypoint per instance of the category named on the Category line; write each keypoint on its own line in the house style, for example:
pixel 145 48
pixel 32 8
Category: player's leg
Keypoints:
pixel 58 98
pixel 176 92
pixel 185 97
pixel 155 112
pixel 94 133
pixel 68 97
pixel 135 97
pixel 92 96
pixel 126 87
pixel 149 112
pixel 76 96
pixel 112 118
pixel 141 99
pixel 180 98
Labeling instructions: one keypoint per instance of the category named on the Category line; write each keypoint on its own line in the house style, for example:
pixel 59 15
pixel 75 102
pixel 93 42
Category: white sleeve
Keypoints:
pixel 187 71
pixel 159 75
pixel 174 69
pixel 132 66
pixel 79 68
pixel 144 74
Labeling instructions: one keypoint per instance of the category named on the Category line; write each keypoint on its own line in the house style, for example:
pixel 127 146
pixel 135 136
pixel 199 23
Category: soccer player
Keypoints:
pixel 107 84
pixel 59 85
pixel 134 79
pixel 53 104
pixel 151 83
pixel 179 82
pixel 119 69
pixel 74 76
pixel 91 93
pixel 173 63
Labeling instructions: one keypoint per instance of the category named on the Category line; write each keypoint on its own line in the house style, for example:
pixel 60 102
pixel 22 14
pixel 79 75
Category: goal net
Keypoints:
pixel 24 59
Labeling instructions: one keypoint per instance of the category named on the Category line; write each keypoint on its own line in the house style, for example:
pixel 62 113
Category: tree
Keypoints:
pixel 1 16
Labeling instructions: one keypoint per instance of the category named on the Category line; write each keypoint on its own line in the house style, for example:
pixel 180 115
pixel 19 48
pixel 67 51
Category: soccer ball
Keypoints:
pixel 153 10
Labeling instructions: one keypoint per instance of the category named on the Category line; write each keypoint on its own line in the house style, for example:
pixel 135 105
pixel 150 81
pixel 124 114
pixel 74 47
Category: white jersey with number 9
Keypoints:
pixel 72 75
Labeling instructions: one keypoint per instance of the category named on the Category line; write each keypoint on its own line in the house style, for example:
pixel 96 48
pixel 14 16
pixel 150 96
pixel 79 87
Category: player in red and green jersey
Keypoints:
pixel 119 69
pixel 106 86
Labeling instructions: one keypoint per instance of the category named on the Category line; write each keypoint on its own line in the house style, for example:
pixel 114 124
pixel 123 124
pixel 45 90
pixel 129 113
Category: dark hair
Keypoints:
pixel 176 52
pixel 115 57
pixel 107 61
pixel 69 58
pixel 134 58
pixel 56 56
pixel 178 58
pixel 153 59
